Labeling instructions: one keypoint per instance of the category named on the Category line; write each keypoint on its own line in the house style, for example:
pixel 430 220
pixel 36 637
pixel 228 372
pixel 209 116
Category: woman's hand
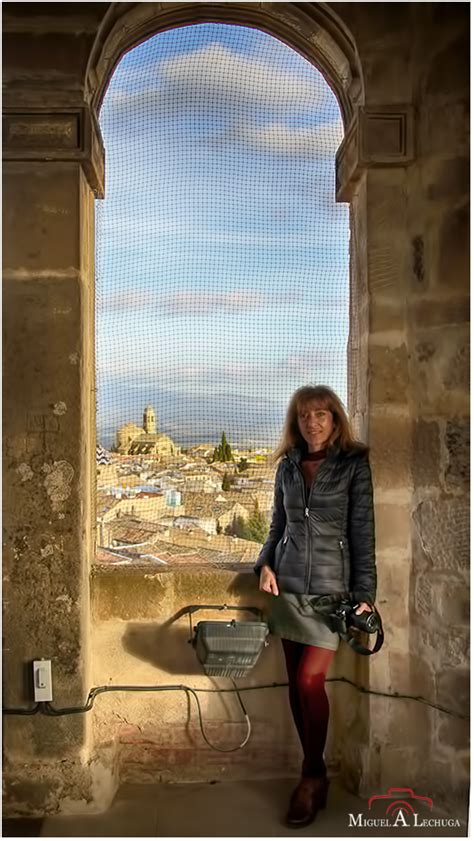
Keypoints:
pixel 268 582
pixel 364 606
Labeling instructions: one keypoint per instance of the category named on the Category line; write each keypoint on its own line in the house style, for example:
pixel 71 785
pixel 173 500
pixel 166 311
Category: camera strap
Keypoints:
pixel 361 649
pixel 333 614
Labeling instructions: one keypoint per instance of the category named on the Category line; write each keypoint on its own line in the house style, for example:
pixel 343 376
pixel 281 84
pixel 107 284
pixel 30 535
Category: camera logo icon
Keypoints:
pixel 401 799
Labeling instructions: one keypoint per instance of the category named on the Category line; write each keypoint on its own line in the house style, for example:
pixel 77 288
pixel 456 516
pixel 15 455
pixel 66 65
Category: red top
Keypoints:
pixel 310 464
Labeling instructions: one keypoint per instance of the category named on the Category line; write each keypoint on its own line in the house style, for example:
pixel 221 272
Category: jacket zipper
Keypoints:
pixel 306 500
pixel 341 545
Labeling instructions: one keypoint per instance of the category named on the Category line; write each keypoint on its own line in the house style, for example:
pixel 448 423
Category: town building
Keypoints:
pixel 145 440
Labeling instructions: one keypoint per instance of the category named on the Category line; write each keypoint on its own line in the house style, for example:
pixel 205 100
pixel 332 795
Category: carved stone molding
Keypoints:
pixel 378 136
pixel 313 29
pixel 56 134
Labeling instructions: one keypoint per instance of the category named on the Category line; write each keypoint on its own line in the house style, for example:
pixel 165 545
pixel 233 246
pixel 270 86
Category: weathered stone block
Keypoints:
pixel 423 596
pixel 453 732
pixel 42 329
pixel 383 78
pixel 443 130
pixel 455 366
pixel 389 374
pixel 457 442
pixel 426 452
pixel 386 315
pixel 392 525
pixel 139 594
pixel 448 74
pixel 387 24
pixel 41 224
pixel 434 313
pixel 398 766
pixel 42 56
pixel 410 724
pixel 454 689
pixel 445 647
pixel 434 777
pixel 451 600
pixel 420 269
pixel 391 449
pixel 395 616
pixel 443 528
pixel 448 178
pixel 424 350
pixel 387 208
pixel 411 674
pixel 453 261
pixel 437 350
pixel 393 574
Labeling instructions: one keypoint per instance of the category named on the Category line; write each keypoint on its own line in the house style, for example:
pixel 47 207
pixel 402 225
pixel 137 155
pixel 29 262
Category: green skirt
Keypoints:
pixel 287 621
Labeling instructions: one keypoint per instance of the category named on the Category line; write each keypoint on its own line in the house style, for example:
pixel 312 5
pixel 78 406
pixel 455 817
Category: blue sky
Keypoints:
pixel 222 257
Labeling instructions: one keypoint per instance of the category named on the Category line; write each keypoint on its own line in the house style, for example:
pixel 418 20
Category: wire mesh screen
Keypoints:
pixel 222 285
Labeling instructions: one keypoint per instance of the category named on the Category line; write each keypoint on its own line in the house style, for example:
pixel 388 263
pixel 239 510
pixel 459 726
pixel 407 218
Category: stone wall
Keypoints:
pixel 139 637
pixel 400 72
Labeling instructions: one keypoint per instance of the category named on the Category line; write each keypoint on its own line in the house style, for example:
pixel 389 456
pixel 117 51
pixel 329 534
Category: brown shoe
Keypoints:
pixel 308 797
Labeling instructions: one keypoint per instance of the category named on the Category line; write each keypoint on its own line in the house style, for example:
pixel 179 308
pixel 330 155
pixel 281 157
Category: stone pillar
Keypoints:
pixel 410 398
pixel 53 164
pixel 440 331
pixel 371 173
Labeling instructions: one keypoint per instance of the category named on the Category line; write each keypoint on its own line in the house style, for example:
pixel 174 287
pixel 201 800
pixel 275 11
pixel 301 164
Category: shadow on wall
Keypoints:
pixel 167 646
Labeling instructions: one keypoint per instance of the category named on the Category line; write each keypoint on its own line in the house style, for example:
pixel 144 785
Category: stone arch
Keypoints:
pixel 315 31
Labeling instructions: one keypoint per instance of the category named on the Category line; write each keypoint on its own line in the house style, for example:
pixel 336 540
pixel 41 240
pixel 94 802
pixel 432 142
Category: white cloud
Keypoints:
pixel 292 140
pixel 217 72
pixel 225 74
pixel 194 302
pixel 195 230
pixel 142 368
pixel 234 91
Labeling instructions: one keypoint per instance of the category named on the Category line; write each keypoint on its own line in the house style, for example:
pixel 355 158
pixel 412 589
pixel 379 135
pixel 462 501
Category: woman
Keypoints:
pixel 321 541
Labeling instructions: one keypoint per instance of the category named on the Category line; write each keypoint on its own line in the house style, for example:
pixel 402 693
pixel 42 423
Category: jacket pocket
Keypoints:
pixel 345 562
pixel 279 551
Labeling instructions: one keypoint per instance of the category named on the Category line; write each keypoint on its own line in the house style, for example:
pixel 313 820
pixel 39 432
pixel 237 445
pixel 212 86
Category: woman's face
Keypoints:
pixel 315 424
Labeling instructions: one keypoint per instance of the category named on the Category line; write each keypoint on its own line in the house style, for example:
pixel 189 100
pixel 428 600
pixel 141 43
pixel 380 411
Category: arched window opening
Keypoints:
pixel 222 264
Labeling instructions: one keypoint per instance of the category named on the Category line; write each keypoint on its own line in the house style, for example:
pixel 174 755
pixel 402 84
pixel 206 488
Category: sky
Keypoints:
pixel 222 258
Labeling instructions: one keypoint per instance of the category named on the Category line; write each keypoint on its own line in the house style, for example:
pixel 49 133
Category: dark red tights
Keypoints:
pixel 307 666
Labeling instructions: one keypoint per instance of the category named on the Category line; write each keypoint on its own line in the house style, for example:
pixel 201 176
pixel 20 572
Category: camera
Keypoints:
pixel 366 621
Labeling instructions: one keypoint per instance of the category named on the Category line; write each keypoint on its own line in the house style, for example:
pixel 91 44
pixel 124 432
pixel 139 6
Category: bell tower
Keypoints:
pixel 149 420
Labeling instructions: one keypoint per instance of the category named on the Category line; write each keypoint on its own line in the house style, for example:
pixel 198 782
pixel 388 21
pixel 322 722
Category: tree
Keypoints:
pixel 239 527
pixel 224 451
pixel 218 527
pixel 226 484
pixel 242 465
pixel 257 526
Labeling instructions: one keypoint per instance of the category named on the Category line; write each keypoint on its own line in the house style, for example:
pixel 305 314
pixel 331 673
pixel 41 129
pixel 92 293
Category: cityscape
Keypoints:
pixel 160 504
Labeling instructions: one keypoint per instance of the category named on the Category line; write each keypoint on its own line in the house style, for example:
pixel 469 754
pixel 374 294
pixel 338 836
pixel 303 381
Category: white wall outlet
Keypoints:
pixel 42 680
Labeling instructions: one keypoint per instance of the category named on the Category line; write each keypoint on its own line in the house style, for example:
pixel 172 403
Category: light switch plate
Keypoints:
pixel 42 680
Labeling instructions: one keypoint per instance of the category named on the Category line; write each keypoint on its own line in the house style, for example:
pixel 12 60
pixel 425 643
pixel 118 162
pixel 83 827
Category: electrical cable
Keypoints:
pixel 21 710
pixel 47 709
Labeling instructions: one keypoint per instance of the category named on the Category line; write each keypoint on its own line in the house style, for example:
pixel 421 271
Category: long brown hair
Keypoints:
pixel 326 398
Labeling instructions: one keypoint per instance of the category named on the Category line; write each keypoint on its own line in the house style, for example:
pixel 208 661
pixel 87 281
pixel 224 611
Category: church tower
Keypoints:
pixel 149 420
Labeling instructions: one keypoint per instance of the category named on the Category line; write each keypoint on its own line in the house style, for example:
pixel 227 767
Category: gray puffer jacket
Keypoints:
pixel 323 544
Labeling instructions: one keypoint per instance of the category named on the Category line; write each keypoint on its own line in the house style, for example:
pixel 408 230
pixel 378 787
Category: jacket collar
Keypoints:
pixel 295 454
